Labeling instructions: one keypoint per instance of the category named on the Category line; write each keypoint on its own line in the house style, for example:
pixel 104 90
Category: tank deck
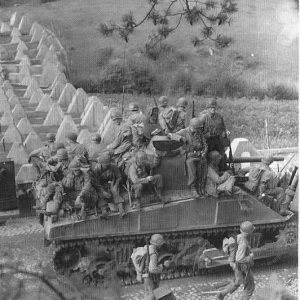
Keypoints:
pixel 183 215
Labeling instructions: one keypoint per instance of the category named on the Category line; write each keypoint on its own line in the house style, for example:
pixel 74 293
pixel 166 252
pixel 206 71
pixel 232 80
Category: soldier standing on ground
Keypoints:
pixel 215 131
pixel 195 149
pixel 241 263
pixel 151 273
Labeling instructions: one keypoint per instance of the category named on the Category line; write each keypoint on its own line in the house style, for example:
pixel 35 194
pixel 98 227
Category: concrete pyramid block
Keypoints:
pixel 95 115
pixel 5 28
pixel 7 119
pixel 20 54
pixel 32 87
pixel 2 95
pixel 44 41
pixel 14 100
pixel 67 94
pixel 61 77
pixel 34 26
pixel 45 104
pixel 37 34
pixel 50 57
pixel 24 126
pixel 15 32
pixel 54 116
pixel 15 19
pixel 25 25
pixel 25 61
pixel 18 112
pixel 4 105
pixel 12 135
pixel 91 100
pixel 37 96
pixel 42 52
pixel 108 129
pixel 54 42
pixel 79 101
pixel 32 142
pixel 57 90
pixel 15 40
pixel 22 46
pixel 83 134
pixel 6 86
pixel 26 79
pixel 9 93
pixel 26 174
pixel 67 125
pixel 24 71
pixel 18 154
pixel 49 73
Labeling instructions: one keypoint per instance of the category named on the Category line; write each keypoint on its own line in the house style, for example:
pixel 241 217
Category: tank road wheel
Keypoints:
pixel 66 258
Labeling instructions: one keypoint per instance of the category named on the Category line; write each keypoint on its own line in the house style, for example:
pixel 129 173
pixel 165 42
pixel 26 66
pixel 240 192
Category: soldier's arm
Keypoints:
pixel 205 146
pixel 241 254
pixel 117 141
pixel 67 181
pixel 132 174
pixel 215 176
pixel 162 122
pixel 263 183
pixel 178 136
pixel 153 267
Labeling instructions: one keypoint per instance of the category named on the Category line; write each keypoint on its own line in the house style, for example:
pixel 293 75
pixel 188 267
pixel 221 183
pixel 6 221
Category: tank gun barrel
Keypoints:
pixel 252 159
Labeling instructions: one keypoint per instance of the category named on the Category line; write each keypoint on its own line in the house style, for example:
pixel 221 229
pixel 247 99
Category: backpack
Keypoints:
pixel 138 258
pixel 171 115
pixel 230 247
pixel 254 179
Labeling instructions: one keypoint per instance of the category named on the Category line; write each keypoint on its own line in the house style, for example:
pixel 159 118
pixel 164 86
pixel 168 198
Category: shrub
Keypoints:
pixel 281 92
pixel 104 56
pixel 182 82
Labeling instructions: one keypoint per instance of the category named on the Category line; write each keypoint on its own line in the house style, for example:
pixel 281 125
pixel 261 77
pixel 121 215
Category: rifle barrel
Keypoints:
pixel 238 160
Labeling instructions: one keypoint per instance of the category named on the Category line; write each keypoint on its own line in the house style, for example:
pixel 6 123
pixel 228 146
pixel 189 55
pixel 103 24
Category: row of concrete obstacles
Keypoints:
pixel 36 97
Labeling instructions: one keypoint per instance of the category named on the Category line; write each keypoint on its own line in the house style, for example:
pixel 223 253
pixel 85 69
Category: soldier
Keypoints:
pixel 216 182
pixel 139 176
pixel 78 185
pixel 241 261
pixel 74 148
pixel 181 120
pixel 151 273
pixel 96 147
pixel 215 131
pixel 107 178
pixel 195 149
pixel 268 184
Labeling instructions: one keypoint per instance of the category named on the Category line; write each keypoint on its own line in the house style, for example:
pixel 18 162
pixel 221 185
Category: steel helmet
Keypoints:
pixel 133 106
pixel 96 137
pixel 75 165
pixel 267 159
pixel 196 123
pixel 214 156
pixel 71 136
pixel 104 159
pixel 50 137
pixel 57 146
pixel 247 227
pixel 211 103
pixel 182 102
pixel 116 114
pixel 157 240
pixel 163 100
pixel 62 154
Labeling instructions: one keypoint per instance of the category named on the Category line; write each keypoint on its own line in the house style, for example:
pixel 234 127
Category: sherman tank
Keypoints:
pixel 194 229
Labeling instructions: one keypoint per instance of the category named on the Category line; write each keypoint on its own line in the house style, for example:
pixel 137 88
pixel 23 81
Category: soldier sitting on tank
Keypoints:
pixel 106 180
pixel 139 175
pixel 215 131
pixel 77 185
pixel 195 149
pixel 42 154
pixel 268 184
pixel 181 119
pixel 96 147
pixel 218 182
pixel 74 148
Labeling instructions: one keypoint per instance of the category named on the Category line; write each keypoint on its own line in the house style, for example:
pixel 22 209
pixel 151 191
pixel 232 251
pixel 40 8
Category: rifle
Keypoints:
pixel 193 110
pixel 230 155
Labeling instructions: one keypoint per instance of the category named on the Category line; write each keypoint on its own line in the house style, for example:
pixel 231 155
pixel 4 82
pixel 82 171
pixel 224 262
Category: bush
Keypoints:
pixel 182 82
pixel 281 92
pixel 104 56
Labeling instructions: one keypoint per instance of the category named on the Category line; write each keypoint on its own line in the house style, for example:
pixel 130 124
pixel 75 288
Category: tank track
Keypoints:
pixel 73 255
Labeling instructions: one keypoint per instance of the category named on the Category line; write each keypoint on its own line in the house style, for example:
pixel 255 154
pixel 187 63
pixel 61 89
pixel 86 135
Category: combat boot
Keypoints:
pixel 104 213
pixel 220 296
pixel 194 192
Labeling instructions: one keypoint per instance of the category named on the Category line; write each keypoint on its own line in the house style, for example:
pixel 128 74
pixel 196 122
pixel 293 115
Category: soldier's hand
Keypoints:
pixel 251 255
pixel 232 264
pixel 227 133
pixel 167 264
pixel 149 178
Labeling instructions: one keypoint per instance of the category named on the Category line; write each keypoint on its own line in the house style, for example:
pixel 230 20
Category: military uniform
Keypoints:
pixel 181 120
pixel 196 149
pixel 76 149
pixel 94 150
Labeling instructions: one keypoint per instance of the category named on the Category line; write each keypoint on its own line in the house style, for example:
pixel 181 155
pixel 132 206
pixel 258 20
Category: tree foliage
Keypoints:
pixel 167 15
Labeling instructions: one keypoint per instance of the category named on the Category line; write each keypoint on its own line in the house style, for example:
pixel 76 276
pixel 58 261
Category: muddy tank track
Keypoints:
pixel 93 257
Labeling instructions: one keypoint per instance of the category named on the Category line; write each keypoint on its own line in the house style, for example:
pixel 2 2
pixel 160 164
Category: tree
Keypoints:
pixel 166 16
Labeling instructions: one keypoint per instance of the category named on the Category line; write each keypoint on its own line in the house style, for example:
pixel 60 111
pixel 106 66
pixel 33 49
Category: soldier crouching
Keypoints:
pixel 138 174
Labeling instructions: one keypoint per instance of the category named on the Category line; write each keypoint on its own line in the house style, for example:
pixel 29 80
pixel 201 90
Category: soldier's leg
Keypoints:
pixel 118 200
pixel 49 192
pixel 202 171
pixel 277 193
pixel 138 189
pixel 192 165
pixel 249 286
pixel 157 182
pixel 79 203
pixel 148 289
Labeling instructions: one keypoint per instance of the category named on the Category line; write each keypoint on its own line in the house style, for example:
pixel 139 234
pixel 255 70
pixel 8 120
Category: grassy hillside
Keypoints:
pixel 265 34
